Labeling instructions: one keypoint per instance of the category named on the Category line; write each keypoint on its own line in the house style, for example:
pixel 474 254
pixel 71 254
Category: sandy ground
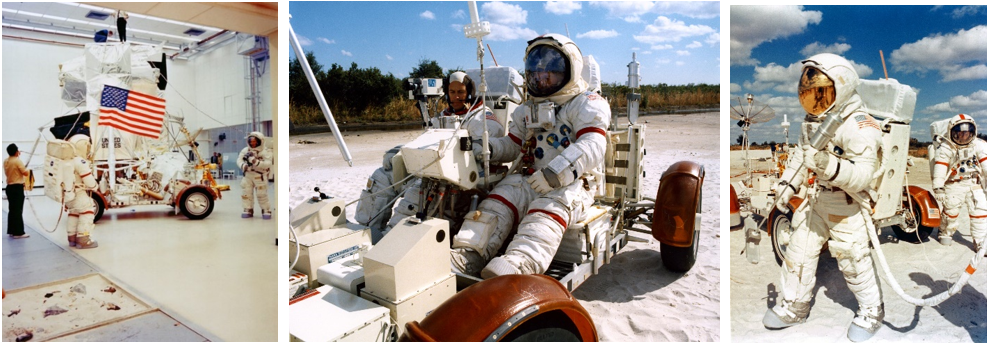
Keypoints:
pixel 923 270
pixel 634 298
pixel 54 309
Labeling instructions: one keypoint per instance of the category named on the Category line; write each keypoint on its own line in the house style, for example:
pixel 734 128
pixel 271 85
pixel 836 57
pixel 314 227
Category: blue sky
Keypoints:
pixel 940 51
pixel 675 42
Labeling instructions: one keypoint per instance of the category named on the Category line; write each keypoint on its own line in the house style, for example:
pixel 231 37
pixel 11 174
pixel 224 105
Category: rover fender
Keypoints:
pixel 677 203
pixel 736 222
pixel 926 202
pixel 507 308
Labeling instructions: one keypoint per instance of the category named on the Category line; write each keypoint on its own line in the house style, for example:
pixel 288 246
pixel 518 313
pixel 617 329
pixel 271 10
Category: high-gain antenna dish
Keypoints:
pixel 747 112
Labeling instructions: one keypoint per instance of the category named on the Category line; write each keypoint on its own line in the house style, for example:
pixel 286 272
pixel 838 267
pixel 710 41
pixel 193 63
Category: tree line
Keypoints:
pixel 367 95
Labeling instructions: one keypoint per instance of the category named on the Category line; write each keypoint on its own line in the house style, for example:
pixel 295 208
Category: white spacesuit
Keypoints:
pixel 255 160
pixel 843 167
pixel 561 133
pixel 375 204
pixel 959 173
pixel 78 202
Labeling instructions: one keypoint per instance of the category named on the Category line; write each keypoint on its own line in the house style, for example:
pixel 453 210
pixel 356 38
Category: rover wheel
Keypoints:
pixel 781 232
pixel 680 259
pixel 98 207
pixel 196 204
pixel 922 232
pixel 548 327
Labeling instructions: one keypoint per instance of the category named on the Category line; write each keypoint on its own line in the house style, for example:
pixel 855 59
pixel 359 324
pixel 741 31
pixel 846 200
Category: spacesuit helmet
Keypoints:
pixel 80 144
pixel 258 142
pixel 826 81
pixel 553 66
pixel 962 129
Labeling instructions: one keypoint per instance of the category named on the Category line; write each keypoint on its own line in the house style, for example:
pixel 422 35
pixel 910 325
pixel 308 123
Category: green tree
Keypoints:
pixel 299 88
pixel 427 69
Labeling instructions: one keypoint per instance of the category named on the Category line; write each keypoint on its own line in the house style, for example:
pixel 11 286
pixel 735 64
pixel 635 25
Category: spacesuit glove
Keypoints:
pixel 244 168
pixel 477 150
pixel 387 159
pixel 940 195
pixel 783 193
pixel 539 182
pixel 809 161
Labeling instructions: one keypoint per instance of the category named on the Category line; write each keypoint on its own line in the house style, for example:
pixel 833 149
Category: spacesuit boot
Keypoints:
pixel 72 240
pixel 866 323
pixel 84 242
pixel 248 213
pixel 786 314
pixel 266 214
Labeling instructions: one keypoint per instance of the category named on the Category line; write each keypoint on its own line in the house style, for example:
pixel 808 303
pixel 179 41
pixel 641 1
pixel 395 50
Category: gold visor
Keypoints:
pixel 816 91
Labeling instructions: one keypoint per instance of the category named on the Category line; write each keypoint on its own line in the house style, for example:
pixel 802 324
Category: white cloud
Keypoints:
pixel 501 32
pixel 682 52
pixel 345 52
pixel 955 56
pixel 427 15
pixel 975 103
pixel 963 11
pixel 635 48
pixel 388 57
pixel 458 27
pixel 818 48
pixel 663 61
pixel 734 88
pixel 325 40
pixel 646 52
pixel 751 26
pixel 304 41
pixel 694 44
pixel 562 7
pixel 631 11
pixel 692 9
pixel 668 30
pixel 679 63
pixel 661 46
pixel 598 34
pixel 503 13
pixel 713 39
pixel 458 14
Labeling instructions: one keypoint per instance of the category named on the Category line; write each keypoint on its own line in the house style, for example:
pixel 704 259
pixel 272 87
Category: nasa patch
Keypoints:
pixel 592 96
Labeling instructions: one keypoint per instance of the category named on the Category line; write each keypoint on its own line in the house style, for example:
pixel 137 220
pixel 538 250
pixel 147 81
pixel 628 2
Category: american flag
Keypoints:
pixel 132 111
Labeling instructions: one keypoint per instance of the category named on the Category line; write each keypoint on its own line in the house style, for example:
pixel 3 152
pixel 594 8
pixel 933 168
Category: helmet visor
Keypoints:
pixel 963 133
pixel 816 91
pixel 547 71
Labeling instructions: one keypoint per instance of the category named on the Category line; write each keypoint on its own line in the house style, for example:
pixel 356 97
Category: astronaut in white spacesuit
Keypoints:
pixel 844 167
pixel 375 205
pixel 255 161
pixel 78 202
pixel 959 171
pixel 561 133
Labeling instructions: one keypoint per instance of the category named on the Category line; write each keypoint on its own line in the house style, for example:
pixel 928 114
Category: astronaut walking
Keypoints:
pixel 959 172
pixel 834 215
pixel 79 203
pixel 560 131
pixel 255 161
pixel 375 208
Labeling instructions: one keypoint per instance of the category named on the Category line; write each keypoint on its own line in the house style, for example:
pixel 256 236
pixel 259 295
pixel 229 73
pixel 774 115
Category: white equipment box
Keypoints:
pixel 437 153
pixel 335 315
pixel 322 247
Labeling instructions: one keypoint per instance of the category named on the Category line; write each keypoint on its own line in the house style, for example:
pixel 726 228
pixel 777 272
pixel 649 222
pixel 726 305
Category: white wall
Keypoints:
pixel 214 82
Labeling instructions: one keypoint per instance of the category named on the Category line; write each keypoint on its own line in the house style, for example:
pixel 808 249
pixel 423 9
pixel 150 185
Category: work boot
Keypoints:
pixel 72 240
pixel 786 314
pixel 266 214
pixel 84 242
pixel 466 261
pixel 248 213
pixel 866 323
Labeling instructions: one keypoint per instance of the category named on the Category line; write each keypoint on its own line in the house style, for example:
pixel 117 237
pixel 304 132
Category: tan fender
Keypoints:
pixel 926 201
pixel 735 210
pixel 494 308
pixel 675 208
